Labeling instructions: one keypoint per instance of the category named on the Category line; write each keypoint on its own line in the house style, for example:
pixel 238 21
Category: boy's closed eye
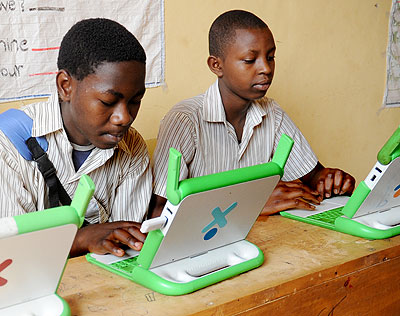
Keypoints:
pixel 249 61
pixel 107 103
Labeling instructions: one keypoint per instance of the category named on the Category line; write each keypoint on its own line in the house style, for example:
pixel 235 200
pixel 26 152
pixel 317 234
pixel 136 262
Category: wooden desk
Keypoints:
pixel 308 270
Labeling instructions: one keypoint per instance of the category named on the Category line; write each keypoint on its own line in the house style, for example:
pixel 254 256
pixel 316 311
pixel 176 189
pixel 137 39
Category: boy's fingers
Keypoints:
pixel 135 232
pixel 123 236
pixel 328 185
pixel 338 182
pixel 110 247
pixel 321 188
pixel 302 194
pixel 297 203
pixel 297 184
pixel 348 186
pixel 283 205
pixel 304 205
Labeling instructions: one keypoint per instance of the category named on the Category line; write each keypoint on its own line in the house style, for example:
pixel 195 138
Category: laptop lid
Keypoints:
pixel 207 220
pixel 34 248
pixel 215 210
pixel 384 185
pixel 33 263
pixel 378 192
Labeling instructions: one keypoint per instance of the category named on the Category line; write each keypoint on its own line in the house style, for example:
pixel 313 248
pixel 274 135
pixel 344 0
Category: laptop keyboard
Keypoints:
pixel 126 265
pixel 327 216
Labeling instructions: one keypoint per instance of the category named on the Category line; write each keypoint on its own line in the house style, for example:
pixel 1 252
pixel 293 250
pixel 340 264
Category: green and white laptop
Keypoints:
pixel 34 249
pixel 373 210
pixel 199 239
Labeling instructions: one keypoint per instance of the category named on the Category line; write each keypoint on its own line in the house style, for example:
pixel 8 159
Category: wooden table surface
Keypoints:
pixel 308 270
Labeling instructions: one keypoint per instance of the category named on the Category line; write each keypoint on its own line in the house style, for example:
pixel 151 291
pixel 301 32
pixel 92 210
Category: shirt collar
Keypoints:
pixel 214 111
pixel 47 116
pixel 213 108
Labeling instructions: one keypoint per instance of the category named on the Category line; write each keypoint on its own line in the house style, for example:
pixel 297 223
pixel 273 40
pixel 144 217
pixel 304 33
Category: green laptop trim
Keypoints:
pixel 176 192
pixel 391 150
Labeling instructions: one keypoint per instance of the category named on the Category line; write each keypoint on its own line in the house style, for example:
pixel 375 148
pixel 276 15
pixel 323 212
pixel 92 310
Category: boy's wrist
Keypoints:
pixel 79 246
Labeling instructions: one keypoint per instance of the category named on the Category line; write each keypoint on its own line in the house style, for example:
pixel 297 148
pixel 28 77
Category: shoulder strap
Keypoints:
pixel 57 193
pixel 17 126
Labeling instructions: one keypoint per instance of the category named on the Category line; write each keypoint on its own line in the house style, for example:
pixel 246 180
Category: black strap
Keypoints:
pixel 57 193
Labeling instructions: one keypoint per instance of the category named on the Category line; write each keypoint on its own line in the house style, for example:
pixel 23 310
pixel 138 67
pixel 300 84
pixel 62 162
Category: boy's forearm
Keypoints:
pixel 78 246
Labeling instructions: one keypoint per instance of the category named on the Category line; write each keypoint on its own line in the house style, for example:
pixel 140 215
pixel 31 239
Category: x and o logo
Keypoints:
pixel 219 219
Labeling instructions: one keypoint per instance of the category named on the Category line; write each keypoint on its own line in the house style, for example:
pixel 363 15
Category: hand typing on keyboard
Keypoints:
pixel 292 194
pixel 108 238
pixel 310 189
pixel 329 181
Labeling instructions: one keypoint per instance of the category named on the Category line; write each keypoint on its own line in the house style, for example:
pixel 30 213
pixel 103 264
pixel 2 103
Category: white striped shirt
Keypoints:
pixel 122 175
pixel 198 128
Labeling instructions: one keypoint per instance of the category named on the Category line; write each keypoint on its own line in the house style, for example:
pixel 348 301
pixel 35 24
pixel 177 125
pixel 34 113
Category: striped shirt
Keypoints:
pixel 198 128
pixel 122 175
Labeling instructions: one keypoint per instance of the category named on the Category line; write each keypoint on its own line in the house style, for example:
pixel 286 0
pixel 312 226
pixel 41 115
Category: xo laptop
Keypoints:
pixel 199 239
pixel 373 210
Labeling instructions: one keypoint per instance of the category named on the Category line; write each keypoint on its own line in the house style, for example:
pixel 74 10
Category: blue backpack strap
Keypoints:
pixel 17 126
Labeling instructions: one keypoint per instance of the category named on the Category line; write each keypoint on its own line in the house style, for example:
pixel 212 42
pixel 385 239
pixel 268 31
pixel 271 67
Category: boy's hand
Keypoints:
pixel 108 238
pixel 334 182
pixel 292 194
pixel 330 181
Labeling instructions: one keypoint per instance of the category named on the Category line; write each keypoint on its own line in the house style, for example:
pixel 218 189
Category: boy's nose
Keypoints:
pixel 121 115
pixel 265 67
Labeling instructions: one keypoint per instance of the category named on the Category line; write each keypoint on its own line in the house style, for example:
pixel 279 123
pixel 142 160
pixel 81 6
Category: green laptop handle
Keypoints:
pixel 83 194
pixel 178 190
pixel 282 151
pixel 174 165
pixel 391 149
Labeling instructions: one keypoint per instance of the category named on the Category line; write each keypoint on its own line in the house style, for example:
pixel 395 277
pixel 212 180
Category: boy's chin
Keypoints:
pixel 103 145
pixel 258 96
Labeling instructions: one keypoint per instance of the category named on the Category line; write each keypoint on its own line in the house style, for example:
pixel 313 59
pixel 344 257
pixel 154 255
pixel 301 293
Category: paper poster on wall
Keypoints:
pixel 392 91
pixel 31 32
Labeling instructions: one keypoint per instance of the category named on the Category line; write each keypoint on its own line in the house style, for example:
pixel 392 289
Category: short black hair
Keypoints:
pixel 223 29
pixel 91 42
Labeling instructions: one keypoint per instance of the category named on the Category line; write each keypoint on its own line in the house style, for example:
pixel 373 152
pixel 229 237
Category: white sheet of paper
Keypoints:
pixel 31 33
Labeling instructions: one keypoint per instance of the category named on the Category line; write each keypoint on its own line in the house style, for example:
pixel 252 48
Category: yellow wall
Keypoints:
pixel 330 71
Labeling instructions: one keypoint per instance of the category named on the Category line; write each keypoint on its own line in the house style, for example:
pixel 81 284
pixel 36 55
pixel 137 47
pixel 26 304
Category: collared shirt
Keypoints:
pixel 122 175
pixel 198 128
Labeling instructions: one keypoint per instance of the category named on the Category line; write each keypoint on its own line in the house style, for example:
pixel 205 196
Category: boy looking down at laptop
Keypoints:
pixel 87 125
pixel 232 125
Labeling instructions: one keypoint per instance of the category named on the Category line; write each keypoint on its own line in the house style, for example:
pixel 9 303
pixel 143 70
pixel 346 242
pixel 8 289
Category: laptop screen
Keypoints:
pixel 32 263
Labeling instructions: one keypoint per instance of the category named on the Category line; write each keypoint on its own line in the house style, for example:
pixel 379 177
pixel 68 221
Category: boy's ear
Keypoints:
pixel 215 65
pixel 64 85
